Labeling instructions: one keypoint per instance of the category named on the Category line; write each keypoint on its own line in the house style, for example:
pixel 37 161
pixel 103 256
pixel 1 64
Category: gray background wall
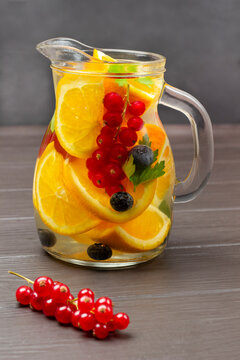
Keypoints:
pixel 200 38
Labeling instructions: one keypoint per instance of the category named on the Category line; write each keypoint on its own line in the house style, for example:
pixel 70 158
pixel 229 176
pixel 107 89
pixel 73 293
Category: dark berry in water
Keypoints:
pixel 99 251
pixel 143 155
pixel 47 238
pixel 121 201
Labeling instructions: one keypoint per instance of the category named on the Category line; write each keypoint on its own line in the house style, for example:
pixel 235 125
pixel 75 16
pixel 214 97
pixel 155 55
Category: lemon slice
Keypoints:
pixel 146 232
pixel 58 207
pixel 79 112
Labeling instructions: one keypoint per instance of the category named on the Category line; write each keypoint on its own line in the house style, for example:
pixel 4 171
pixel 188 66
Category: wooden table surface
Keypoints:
pixel 184 305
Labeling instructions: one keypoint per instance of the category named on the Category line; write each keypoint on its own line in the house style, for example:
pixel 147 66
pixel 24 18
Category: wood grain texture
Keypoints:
pixel 183 305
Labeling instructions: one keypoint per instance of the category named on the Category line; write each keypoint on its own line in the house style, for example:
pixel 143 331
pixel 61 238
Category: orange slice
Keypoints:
pixel 160 142
pixel 138 89
pixel 58 207
pixel 79 112
pixel 145 232
pixel 98 201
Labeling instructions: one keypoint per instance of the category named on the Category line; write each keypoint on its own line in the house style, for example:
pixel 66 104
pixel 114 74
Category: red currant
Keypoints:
pixel 111 325
pixel 87 321
pixel 135 123
pixel 127 136
pixel 64 314
pixel 100 331
pixel 49 307
pixel 112 189
pixel 119 153
pixel 23 294
pixel 113 120
pixel 113 172
pixel 104 140
pixel 121 321
pixel 43 286
pixel 36 301
pixel 100 155
pixel 60 293
pixel 103 313
pixel 106 130
pixel 113 102
pixel 104 300
pixel 71 304
pixel 90 175
pixel 75 318
pixel 56 282
pixel 92 164
pixel 87 292
pixel 85 303
pixel 98 180
pixel 137 108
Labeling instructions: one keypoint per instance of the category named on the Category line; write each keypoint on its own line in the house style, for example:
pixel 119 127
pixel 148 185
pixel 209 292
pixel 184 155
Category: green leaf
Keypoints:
pixel 148 174
pixel 121 82
pixel 116 68
pixel 52 123
pixel 165 208
pixel 145 141
pixel 129 167
pixel 155 155
pixel 146 81
pixel 130 68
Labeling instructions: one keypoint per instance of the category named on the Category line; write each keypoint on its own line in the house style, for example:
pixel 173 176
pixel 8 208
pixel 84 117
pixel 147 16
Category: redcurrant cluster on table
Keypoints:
pixel 114 141
pixel 54 299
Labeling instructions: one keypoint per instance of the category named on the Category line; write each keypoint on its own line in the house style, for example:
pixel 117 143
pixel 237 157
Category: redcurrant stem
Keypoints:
pixel 21 276
pixel 126 102
pixel 73 300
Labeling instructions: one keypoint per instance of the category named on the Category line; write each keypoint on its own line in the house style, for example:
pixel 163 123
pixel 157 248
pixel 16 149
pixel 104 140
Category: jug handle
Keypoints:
pixel 200 122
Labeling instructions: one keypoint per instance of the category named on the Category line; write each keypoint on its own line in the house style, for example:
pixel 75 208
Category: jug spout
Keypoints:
pixel 62 51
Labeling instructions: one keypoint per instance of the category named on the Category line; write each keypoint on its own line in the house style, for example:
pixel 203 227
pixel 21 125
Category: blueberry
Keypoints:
pixel 47 238
pixel 121 201
pixel 99 251
pixel 143 155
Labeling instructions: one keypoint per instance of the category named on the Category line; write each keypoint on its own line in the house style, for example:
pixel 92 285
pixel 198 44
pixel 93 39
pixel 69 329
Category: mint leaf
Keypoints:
pixel 148 174
pixel 130 68
pixel 145 141
pixel 146 81
pixel 155 155
pixel 129 167
pixel 116 68
pixel 52 123
pixel 121 82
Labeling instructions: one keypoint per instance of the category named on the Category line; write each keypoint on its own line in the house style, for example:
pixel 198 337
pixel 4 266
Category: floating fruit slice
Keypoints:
pixel 140 89
pixel 58 207
pixel 159 141
pixel 167 181
pixel 79 111
pixel 34 196
pixel 97 54
pixel 98 201
pixel 146 232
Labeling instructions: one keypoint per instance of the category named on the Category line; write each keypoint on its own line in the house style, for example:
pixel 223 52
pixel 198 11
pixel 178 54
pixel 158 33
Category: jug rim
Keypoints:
pixel 124 67
pixel 69 55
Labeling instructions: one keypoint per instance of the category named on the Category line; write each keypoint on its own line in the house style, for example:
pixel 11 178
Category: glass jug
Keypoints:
pixel 104 181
